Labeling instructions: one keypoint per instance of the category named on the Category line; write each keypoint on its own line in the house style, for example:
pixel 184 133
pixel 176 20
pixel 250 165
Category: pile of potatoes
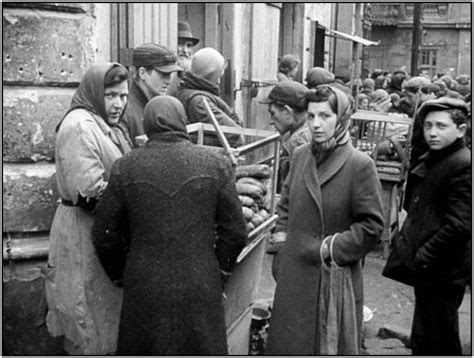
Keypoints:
pixel 253 185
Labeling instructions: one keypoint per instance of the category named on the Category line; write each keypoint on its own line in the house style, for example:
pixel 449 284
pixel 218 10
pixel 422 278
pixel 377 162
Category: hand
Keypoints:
pixel 325 250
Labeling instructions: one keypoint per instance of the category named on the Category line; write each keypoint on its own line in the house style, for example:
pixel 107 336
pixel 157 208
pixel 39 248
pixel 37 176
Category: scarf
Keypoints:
pixel 165 115
pixel 321 151
pixel 90 96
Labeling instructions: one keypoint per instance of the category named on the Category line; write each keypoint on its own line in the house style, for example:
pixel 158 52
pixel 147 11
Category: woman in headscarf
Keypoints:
pixel 331 188
pixel 84 306
pixel 170 227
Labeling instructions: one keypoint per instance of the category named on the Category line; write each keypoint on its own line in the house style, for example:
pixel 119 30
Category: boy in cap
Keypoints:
pixel 153 67
pixel 439 220
pixel 287 107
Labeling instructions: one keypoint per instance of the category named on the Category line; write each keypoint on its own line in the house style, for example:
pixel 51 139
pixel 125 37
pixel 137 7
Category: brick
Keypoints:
pixel 29 197
pixel 30 117
pixel 46 47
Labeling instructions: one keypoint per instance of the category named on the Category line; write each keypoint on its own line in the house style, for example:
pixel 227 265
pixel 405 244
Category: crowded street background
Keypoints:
pixel 236 178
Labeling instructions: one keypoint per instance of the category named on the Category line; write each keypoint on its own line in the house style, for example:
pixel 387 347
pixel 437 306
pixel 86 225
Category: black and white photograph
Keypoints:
pixel 237 178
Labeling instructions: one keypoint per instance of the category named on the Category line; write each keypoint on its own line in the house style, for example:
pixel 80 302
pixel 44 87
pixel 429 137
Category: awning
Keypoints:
pixel 354 38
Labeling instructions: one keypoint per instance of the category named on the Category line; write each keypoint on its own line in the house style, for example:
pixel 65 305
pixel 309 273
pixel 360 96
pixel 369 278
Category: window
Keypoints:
pixel 428 57
pixel 428 60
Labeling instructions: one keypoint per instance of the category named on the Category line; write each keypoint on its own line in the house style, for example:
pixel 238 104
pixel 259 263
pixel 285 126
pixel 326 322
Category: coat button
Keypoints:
pixel 417 199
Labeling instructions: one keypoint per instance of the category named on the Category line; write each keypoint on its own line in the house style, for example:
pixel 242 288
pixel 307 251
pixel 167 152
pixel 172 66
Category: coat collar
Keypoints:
pixel 315 178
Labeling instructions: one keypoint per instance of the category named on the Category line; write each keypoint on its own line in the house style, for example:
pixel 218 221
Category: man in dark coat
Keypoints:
pixel 202 82
pixel 439 220
pixel 170 225
pixel 153 65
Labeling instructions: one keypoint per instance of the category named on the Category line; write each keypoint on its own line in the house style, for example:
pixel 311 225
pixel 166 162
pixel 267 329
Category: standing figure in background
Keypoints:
pixel 438 204
pixel 287 107
pixel 170 227
pixel 287 68
pixel 332 188
pixel 186 43
pixel 153 67
pixel 202 82
pixel 84 305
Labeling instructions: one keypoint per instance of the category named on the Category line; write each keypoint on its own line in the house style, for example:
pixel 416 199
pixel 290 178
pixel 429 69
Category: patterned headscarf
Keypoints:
pixel 165 114
pixel 343 111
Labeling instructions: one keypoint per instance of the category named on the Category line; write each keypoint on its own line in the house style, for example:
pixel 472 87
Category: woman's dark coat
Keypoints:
pixel 342 196
pixel 175 198
pixel 439 216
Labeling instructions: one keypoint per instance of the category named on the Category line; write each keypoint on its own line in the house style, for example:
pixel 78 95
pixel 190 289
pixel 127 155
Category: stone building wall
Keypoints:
pixel 47 47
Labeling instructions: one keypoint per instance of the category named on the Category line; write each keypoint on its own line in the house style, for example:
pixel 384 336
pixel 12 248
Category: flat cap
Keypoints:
pixel 291 93
pixel 319 76
pixel 440 104
pixel 416 82
pixel 157 56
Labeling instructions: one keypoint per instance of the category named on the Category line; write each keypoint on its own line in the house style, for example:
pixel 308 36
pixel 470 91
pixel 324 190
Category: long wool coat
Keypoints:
pixel 83 304
pixel 169 201
pixel 342 196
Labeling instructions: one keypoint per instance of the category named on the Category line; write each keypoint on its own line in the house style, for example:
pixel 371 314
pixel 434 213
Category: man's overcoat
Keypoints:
pixel 342 196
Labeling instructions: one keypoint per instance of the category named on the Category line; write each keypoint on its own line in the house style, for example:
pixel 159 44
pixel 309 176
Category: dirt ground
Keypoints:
pixel 391 303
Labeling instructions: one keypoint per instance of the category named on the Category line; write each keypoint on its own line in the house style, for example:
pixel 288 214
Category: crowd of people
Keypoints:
pixel 145 237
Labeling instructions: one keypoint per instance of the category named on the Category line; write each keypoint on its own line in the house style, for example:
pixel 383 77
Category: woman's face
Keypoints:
pixel 364 103
pixel 321 120
pixel 115 99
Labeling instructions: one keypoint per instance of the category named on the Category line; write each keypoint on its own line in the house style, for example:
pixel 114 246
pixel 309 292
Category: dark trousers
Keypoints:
pixel 435 329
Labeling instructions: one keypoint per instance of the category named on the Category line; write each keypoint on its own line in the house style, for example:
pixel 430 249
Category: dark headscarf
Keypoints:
pixel 343 112
pixel 90 96
pixel 165 114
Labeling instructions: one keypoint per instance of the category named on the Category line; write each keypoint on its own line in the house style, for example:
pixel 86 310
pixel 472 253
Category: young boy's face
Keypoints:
pixel 440 131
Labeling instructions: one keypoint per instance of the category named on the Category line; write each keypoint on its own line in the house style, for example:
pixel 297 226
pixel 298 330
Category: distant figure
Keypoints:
pixel 170 228
pixel 153 67
pixel 186 43
pixel 287 68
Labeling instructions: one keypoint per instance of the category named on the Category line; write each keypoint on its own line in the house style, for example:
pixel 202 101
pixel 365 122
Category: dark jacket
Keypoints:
pixel 133 117
pixel 191 93
pixel 168 222
pixel 342 196
pixel 439 216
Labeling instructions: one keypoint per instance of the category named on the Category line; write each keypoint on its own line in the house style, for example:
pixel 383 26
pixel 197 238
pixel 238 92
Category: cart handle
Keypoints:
pixel 220 134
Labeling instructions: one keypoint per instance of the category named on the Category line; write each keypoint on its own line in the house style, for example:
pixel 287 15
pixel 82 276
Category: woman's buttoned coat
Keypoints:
pixel 342 196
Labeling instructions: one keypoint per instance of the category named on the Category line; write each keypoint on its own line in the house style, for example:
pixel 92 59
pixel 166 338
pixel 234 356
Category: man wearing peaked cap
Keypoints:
pixel 287 107
pixel 154 65
pixel 438 204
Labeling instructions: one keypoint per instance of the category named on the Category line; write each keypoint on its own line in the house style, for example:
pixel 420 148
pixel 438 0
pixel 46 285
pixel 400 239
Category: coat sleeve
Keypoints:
pixel 200 114
pixel 80 159
pixel 368 222
pixel 231 227
pixel 455 229
pixel 110 235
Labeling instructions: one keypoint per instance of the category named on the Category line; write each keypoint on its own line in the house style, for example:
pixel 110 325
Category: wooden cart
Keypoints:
pixel 369 130
pixel 261 146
